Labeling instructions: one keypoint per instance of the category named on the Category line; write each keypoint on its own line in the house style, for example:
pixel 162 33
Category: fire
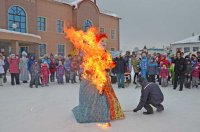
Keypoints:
pixel 96 59
pixel 104 126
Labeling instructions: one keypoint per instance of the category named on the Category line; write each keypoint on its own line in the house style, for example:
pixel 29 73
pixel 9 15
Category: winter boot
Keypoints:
pixel 148 113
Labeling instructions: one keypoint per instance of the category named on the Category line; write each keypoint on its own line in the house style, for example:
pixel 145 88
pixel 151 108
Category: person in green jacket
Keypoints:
pixel 172 72
pixel 136 67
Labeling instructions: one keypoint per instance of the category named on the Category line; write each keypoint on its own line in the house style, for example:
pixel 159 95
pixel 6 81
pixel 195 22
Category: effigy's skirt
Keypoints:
pixel 92 107
pixel 116 112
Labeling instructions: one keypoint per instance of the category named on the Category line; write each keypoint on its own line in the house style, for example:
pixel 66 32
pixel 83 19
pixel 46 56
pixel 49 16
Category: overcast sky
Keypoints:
pixel 154 22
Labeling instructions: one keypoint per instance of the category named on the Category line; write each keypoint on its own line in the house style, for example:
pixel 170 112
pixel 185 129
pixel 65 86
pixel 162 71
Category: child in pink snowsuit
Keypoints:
pixel 164 73
pixel 45 74
pixel 195 76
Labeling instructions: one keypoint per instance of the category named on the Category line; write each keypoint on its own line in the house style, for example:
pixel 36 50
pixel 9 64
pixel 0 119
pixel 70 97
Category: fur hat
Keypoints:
pixel 24 53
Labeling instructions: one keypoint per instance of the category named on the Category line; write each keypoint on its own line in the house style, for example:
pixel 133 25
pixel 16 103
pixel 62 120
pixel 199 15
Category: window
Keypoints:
pixel 42 49
pixel 16 19
pixel 178 49
pixel 112 35
pixel 112 49
pixel 87 24
pixel 186 49
pixel 61 49
pixel 60 26
pixel 102 30
pixel 41 23
pixel 195 49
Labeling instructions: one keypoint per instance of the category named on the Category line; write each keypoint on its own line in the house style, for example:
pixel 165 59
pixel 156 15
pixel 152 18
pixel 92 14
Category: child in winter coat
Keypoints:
pixel 188 72
pixel 67 70
pixel 14 68
pixel 164 73
pixel 60 71
pixel 45 73
pixel 195 76
pixel 35 74
pixel 1 69
pixel 143 65
pixel 52 67
pixel 152 66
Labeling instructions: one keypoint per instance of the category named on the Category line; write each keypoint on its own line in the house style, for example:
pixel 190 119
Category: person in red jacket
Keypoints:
pixel 164 73
pixel 14 69
pixel 195 76
pixel 164 61
pixel 52 67
pixel 45 74
pixel 74 69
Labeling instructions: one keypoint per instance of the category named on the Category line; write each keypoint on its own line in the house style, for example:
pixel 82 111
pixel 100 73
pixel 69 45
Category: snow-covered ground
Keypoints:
pixel 48 109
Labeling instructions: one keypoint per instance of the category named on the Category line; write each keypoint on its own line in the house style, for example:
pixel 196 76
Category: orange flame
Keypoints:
pixel 96 59
pixel 104 126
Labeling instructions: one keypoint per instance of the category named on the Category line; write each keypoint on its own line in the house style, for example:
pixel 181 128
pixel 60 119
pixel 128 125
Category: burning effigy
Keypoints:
pixel 97 99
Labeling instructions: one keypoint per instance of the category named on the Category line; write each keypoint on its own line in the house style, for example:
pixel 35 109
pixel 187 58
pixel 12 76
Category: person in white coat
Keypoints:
pixel 24 73
pixel 1 69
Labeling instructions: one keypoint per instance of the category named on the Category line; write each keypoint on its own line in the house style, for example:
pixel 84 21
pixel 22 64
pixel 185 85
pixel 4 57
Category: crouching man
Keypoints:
pixel 150 95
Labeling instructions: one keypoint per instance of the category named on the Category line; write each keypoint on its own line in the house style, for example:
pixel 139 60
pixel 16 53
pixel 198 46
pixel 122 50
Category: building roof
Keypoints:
pixel 109 13
pixel 77 2
pixel 62 1
pixel 193 39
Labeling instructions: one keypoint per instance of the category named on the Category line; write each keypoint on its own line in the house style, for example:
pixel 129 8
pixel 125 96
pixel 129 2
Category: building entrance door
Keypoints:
pixel 23 48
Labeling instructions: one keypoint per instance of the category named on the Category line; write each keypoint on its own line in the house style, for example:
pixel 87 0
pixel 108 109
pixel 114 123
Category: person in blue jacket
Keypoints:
pixel 152 67
pixel 143 65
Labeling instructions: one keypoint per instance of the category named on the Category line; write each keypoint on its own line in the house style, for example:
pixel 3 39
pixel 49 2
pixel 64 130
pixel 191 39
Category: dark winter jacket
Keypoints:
pixel 31 61
pixel 180 66
pixel 52 67
pixel 120 65
pixel 152 67
pixel 151 94
pixel 6 64
pixel 35 70
pixel 189 69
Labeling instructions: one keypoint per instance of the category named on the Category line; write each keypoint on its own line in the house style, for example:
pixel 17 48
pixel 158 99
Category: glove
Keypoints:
pixel 135 110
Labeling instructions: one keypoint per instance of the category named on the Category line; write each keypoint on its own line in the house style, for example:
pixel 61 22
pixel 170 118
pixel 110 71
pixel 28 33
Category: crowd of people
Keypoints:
pixel 178 69
pixel 42 70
